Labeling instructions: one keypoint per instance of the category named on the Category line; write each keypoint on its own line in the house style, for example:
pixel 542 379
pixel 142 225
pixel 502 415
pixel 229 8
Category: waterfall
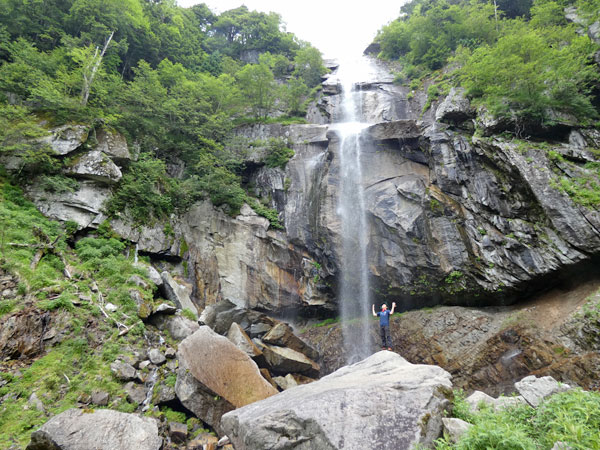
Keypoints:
pixel 354 293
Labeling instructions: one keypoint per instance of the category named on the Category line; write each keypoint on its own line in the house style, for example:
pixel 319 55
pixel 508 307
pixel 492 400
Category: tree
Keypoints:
pixel 90 69
pixel 309 66
pixel 527 74
pixel 258 88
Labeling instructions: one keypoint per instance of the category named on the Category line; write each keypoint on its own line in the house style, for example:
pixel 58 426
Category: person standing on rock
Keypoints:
pixel 384 325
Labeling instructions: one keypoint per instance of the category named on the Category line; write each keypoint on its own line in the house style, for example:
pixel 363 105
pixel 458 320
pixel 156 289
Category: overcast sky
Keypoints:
pixel 336 27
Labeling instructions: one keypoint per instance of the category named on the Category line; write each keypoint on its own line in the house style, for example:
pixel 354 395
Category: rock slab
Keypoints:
pixel 214 376
pixel 348 409
pixel 104 429
pixel 534 389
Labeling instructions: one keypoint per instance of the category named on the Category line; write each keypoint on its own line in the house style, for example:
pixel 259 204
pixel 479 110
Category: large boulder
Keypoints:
pixel 283 335
pixel 83 205
pixel 382 402
pixel 96 166
pixel 76 429
pixel 215 376
pixel 179 327
pixel 241 340
pixel 535 389
pixel 455 108
pixel 284 360
pixel 66 138
pixel 219 316
pixel 179 292
pixel 114 145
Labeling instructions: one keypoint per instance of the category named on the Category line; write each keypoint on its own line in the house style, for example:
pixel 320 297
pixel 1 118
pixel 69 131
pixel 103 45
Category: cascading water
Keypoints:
pixel 354 292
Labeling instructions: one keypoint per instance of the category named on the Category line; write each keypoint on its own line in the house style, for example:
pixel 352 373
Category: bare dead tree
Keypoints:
pixel 89 71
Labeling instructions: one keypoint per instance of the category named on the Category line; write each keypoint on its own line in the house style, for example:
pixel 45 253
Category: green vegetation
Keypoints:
pixel 522 61
pixel 172 80
pixel 71 370
pixel 572 417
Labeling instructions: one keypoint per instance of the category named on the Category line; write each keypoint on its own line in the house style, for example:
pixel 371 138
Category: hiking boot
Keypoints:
pixel 389 348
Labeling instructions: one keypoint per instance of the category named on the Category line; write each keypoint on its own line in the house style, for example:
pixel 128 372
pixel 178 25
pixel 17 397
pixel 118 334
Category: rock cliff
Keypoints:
pixel 457 213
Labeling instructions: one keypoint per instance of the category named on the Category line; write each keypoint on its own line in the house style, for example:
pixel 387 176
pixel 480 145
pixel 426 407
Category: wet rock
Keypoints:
pixel 100 398
pixel 178 292
pixel 102 429
pixel 214 376
pixel 355 398
pixel 454 428
pixel 66 138
pixel 95 166
pixel 123 371
pixel 399 129
pixel 178 432
pixel 156 357
pixel 534 389
pixel 284 360
pixel 282 334
pixel 136 394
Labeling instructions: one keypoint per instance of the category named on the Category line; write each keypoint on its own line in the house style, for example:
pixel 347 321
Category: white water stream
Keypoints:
pixel 354 300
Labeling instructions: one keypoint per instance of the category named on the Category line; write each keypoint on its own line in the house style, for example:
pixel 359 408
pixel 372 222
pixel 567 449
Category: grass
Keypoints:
pixel 572 417
pixel 75 367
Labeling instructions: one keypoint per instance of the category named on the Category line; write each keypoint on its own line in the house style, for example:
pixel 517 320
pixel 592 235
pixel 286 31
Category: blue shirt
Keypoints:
pixel 384 317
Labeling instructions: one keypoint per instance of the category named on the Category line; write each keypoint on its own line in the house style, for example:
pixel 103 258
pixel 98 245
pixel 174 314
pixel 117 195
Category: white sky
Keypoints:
pixel 336 27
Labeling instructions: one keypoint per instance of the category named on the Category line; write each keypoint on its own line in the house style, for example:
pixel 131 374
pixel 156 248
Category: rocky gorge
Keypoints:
pixel 473 232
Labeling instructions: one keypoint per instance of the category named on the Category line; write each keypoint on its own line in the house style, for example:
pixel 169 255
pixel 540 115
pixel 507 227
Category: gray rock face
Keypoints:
pixel 96 166
pixel 66 138
pixel 381 392
pixel 103 429
pixel 178 292
pixel 84 205
pixel 114 145
pixel 453 218
pixel 179 327
pixel 534 389
pixel 455 108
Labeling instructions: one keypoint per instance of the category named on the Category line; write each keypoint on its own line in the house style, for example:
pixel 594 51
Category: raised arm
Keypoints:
pixel 373 309
pixel 393 307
